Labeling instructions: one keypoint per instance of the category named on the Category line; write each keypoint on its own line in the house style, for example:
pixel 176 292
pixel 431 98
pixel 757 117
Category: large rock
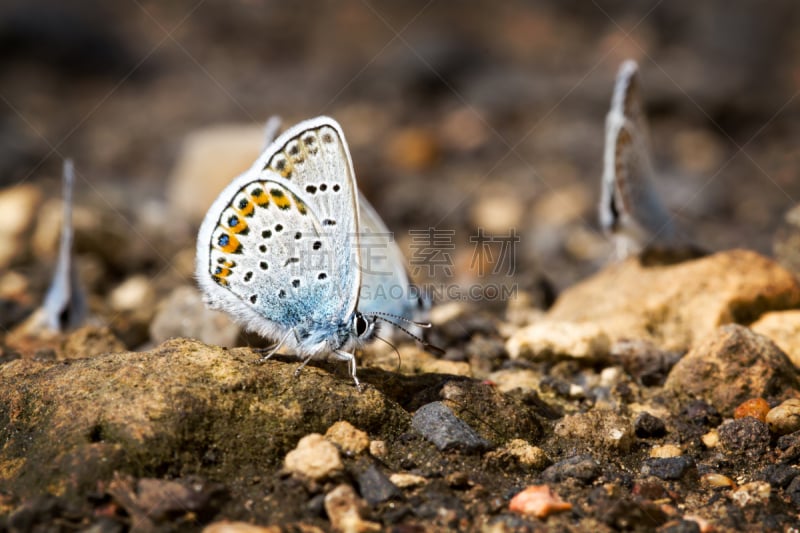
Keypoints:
pixel 183 407
pixel 673 305
pixel 731 366
pixel 783 327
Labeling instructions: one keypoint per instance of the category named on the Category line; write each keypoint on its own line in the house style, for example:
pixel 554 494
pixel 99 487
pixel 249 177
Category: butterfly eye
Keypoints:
pixel 361 325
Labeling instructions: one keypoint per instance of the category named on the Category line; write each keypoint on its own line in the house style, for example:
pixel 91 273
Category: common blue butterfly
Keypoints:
pixel 279 248
pixel 64 307
pixel 630 207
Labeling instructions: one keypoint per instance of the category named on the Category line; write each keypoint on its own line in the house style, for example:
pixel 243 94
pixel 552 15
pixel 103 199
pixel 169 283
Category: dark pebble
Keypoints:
pixel 779 475
pixel 375 487
pixel 700 413
pixel 35 513
pixel 793 491
pixel 550 384
pixel 650 489
pixel 649 426
pixel 668 468
pixel 787 441
pixel 581 467
pixel 316 506
pixel 437 423
pixel 790 448
pixel 680 526
pixel 644 361
pixel 747 436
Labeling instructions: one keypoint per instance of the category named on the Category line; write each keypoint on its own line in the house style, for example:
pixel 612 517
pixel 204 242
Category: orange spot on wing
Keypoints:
pixel 246 208
pixel 260 198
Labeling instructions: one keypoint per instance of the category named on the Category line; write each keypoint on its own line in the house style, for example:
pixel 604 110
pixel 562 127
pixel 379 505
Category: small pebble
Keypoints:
pixel 314 458
pixel 438 424
pixel 746 436
pixel 457 480
pixel 524 454
pixel 342 506
pixel 704 525
pixel 134 293
pixel 666 450
pixel 378 449
pixel 784 418
pixel 716 481
pixel 668 468
pixel 375 487
pixel 405 481
pixel 183 314
pixel 711 439
pixel 584 468
pixel 538 501
pixel 755 407
pixel 648 426
pixel 753 493
pixel 349 439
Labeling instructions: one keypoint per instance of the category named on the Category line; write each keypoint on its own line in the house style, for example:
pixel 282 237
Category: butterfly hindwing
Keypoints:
pixel 385 285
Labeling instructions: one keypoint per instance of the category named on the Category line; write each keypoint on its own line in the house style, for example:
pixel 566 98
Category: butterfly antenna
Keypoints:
pixel 393 348
pixel 380 315
pixel 426 344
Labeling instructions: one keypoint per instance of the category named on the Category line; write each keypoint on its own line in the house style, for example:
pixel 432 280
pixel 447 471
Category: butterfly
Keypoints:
pixel 64 306
pixel 279 249
pixel 630 207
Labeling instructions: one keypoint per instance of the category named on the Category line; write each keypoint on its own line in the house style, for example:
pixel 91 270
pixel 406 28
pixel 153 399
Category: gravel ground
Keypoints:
pixel 660 392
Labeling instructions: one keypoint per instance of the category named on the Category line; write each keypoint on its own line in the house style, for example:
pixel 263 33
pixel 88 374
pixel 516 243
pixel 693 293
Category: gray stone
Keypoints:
pixel 438 424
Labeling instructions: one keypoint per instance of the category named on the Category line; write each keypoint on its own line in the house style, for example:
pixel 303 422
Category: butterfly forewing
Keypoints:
pixel 314 158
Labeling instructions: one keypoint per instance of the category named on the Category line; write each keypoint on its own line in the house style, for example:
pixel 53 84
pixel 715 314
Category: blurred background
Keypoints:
pixel 459 116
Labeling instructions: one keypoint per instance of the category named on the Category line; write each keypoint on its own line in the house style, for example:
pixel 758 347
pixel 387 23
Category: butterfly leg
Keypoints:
pixel 277 347
pixel 302 365
pixel 351 362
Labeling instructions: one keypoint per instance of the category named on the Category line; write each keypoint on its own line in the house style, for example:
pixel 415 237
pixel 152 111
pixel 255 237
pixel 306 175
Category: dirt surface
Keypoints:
pixel 594 395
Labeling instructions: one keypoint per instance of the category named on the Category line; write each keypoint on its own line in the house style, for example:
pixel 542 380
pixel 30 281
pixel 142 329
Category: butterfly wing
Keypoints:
pixel 65 303
pixel 385 285
pixel 276 248
pixel 630 205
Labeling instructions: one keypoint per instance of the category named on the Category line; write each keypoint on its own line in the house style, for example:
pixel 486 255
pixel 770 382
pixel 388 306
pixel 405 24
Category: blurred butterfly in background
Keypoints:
pixel 279 249
pixel 630 207
pixel 65 307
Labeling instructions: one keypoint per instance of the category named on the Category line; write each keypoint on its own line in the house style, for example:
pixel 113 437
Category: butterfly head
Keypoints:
pixel 364 326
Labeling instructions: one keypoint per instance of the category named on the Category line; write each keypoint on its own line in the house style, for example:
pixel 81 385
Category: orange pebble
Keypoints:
pixel 755 407
pixel 538 501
